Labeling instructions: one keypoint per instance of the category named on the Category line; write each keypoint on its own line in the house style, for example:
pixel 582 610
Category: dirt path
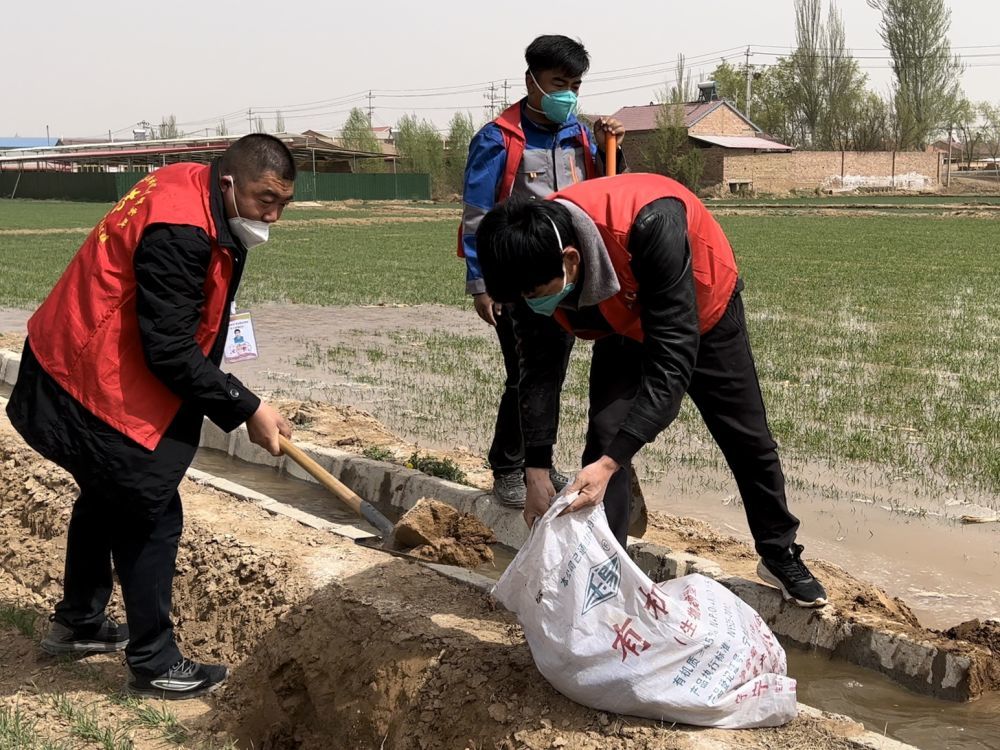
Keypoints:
pixel 332 644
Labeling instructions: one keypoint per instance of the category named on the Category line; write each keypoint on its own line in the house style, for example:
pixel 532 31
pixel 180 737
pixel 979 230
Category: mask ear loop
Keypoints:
pixel 556 230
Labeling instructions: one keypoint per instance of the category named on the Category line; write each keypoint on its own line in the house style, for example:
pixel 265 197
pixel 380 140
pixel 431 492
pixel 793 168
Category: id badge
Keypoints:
pixel 240 342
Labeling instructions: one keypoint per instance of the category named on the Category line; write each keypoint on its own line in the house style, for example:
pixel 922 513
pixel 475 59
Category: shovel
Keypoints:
pixel 611 155
pixel 340 490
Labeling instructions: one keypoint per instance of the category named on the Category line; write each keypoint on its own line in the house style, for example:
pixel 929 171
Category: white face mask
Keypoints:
pixel 251 233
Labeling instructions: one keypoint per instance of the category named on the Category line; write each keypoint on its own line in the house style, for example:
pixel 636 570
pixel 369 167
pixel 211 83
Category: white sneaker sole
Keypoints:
pixel 768 577
pixel 58 648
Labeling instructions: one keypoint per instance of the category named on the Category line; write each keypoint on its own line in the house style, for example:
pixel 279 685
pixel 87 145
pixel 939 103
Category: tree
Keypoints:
pixel 357 135
pixel 871 129
pixel 279 122
pixel 843 85
pixel 769 97
pixel 421 149
pixel 221 128
pixel 991 133
pixel 168 127
pixel 927 74
pixel 683 88
pixel 670 150
pixel 460 132
pixel 966 117
pixel 807 61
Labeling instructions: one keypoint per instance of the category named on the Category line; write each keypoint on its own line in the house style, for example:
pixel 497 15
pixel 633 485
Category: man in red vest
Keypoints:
pixel 534 147
pixel 120 367
pixel 637 263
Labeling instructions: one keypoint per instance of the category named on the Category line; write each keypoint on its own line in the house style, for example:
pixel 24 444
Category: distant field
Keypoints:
pixel 863 200
pixel 877 338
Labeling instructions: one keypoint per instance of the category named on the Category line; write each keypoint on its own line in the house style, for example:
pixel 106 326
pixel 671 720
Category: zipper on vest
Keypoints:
pixel 555 163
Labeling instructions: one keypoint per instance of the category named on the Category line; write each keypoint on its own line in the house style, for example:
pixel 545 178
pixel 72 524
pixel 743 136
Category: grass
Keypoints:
pixel 436 467
pixel 85 724
pixel 22 620
pixel 867 200
pixel 16 730
pixel 875 337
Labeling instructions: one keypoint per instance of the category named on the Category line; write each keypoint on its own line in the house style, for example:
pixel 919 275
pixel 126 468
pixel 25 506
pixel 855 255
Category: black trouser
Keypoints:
pixel 726 391
pixel 143 545
pixel 507 451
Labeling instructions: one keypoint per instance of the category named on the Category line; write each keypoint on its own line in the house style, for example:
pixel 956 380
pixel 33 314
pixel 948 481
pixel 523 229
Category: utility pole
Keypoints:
pixel 48 141
pixel 250 118
pixel 947 179
pixel 747 107
pixel 491 98
pixel 506 87
pixel 370 109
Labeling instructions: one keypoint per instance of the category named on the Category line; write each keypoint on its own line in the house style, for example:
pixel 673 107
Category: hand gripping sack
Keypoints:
pixel 686 650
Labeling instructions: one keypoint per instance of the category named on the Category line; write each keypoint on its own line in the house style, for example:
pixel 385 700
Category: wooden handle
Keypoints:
pixel 343 493
pixel 611 155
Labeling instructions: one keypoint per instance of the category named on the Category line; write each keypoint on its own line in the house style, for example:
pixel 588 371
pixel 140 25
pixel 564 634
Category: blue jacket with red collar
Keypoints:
pixel 553 158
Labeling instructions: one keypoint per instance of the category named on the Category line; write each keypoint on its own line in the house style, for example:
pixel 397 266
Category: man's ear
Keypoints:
pixel 571 260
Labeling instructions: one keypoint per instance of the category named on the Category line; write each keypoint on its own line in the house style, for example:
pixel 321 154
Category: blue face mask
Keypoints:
pixel 558 106
pixel 547 305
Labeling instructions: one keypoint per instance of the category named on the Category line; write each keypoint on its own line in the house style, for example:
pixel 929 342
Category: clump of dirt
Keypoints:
pixel 12 341
pixel 984 633
pixel 435 531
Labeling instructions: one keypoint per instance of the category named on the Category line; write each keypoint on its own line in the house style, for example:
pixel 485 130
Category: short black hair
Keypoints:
pixel 555 52
pixel 255 154
pixel 517 246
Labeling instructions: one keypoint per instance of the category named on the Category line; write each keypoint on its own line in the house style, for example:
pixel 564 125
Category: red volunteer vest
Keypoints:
pixel 86 333
pixel 509 122
pixel 613 203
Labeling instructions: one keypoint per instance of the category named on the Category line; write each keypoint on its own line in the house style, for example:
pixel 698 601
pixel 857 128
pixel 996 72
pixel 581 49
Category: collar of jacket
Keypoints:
pixel 218 208
pixel 600 282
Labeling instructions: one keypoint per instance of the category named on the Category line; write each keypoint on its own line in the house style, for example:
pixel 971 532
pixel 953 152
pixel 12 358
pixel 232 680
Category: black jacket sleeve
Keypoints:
pixel 661 262
pixel 170 266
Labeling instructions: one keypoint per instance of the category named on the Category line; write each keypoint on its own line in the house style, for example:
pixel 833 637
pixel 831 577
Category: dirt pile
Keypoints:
pixel 985 633
pixel 333 645
pixel 437 532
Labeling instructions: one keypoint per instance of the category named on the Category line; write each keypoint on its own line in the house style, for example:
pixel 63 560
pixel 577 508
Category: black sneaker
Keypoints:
pixel 792 576
pixel 104 638
pixel 186 679
pixel 558 479
pixel 509 489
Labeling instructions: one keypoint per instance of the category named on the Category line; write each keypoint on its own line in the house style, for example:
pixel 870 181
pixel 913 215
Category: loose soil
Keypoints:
pixel 332 644
pixel 434 531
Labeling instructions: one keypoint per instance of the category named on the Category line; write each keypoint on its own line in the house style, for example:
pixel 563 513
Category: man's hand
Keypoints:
pixel 605 125
pixel 487 309
pixel 264 427
pixel 591 483
pixel 539 494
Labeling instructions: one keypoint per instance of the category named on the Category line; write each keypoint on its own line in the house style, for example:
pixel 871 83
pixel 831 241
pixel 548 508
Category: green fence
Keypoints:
pixel 107 187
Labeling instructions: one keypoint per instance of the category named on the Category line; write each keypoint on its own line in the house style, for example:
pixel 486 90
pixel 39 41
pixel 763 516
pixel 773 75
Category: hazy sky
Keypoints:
pixel 84 68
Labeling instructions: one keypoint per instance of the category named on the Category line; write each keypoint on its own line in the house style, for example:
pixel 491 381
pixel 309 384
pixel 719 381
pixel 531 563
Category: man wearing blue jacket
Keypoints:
pixel 534 148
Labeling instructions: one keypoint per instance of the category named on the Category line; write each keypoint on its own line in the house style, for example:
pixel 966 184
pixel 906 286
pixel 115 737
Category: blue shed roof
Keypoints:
pixel 27 142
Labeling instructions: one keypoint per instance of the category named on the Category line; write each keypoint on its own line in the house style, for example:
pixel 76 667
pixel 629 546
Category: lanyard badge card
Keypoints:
pixel 241 345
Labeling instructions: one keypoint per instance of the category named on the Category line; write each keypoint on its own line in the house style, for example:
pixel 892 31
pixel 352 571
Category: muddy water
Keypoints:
pixel 948 572
pixel 831 685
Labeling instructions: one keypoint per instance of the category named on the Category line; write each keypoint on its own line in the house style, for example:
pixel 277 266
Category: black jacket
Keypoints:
pixel 170 267
pixel 661 263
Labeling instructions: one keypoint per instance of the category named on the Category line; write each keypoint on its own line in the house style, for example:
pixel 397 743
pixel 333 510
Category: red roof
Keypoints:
pixel 641 118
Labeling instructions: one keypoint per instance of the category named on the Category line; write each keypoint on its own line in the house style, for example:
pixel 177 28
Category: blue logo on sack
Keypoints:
pixel 603 582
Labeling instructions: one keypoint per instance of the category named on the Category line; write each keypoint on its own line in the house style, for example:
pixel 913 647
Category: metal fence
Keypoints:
pixel 107 187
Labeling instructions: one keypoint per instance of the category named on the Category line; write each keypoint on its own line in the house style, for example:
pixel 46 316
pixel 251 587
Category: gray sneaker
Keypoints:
pixel 104 638
pixel 558 479
pixel 509 489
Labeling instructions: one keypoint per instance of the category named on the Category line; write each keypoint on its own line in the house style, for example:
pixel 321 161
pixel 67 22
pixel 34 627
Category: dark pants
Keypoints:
pixel 507 451
pixel 726 391
pixel 143 546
